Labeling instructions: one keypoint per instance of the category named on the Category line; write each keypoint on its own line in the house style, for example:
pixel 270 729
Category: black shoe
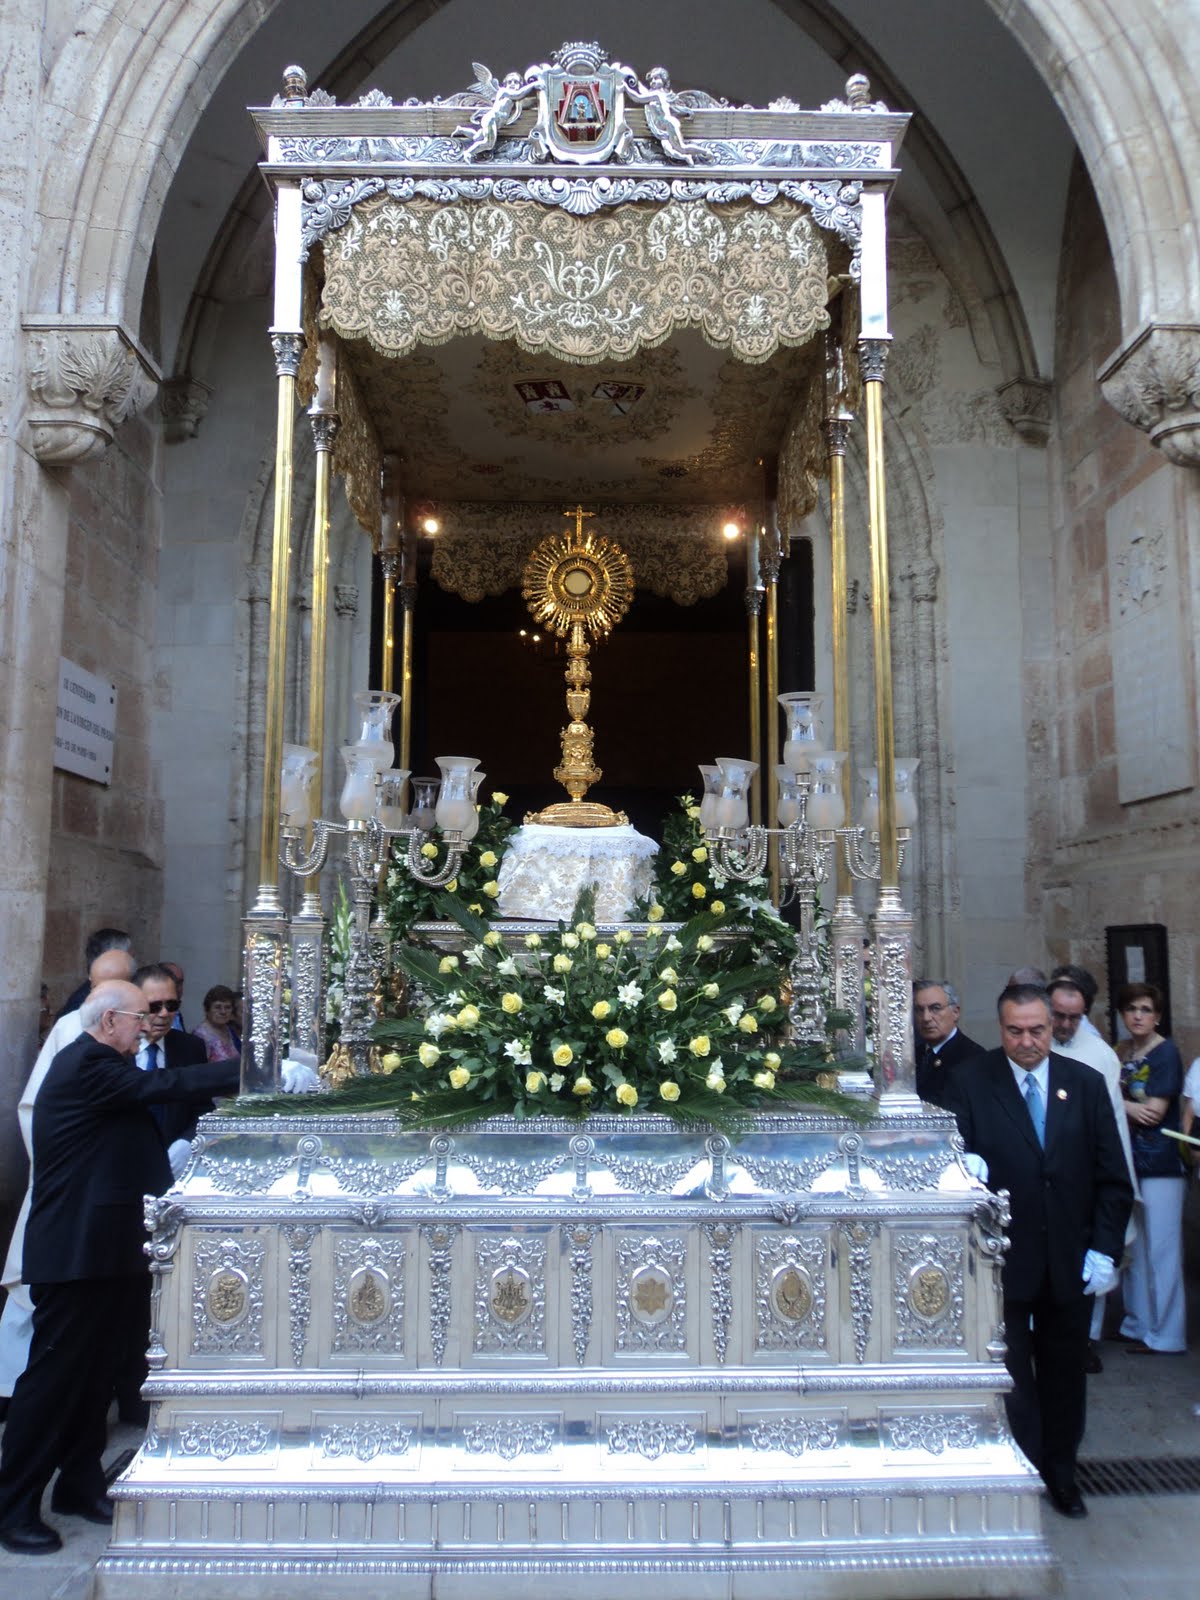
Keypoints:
pixel 1093 1363
pixel 1067 1502
pixel 31 1538
pixel 92 1508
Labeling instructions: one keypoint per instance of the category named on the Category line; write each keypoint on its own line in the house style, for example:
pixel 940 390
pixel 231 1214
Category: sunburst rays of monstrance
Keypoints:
pixel 578 585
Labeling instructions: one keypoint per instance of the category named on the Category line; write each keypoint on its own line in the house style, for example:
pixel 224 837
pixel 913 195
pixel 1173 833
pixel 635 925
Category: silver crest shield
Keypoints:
pixel 581 116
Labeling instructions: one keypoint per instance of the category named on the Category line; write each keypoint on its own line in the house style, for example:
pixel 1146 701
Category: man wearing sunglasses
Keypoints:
pixel 96 1152
pixel 165 1046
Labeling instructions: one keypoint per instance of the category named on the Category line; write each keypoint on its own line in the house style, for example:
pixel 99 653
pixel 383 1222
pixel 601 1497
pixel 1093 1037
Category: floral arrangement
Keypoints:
pixel 682 1023
pixel 476 888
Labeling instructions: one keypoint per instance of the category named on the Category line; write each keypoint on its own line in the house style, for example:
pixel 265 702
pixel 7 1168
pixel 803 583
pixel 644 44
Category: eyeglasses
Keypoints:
pixel 155 1006
pixel 140 1015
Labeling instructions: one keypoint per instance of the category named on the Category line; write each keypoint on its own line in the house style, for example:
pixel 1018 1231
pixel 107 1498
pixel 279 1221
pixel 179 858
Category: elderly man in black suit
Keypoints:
pixel 97 1151
pixel 1044 1125
pixel 941 1044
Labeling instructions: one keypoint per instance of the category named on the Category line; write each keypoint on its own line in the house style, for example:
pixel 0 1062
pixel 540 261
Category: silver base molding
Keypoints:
pixel 576 1358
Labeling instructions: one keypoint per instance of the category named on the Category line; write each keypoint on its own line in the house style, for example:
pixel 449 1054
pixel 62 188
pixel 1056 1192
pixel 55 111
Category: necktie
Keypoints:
pixel 1037 1111
pixel 152 1065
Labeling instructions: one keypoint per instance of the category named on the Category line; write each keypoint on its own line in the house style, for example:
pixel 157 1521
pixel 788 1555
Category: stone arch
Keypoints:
pixel 150 71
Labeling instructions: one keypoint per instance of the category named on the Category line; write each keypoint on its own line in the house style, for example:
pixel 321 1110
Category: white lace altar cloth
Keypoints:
pixel 544 869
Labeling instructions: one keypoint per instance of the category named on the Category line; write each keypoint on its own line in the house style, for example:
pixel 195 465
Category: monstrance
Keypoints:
pixel 577 585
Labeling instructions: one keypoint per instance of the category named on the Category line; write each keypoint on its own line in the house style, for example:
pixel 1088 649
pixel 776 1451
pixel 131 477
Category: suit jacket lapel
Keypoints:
pixel 1010 1099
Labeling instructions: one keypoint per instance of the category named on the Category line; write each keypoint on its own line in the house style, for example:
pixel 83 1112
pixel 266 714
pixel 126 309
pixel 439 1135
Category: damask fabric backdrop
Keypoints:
pixel 483 548
pixel 401 274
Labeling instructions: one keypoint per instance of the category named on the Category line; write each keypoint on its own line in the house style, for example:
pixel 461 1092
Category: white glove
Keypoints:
pixel 178 1154
pixel 976 1166
pixel 296 1077
pixel 1099 1273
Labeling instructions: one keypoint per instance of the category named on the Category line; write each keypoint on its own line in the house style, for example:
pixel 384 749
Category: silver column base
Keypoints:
pixel 577 1358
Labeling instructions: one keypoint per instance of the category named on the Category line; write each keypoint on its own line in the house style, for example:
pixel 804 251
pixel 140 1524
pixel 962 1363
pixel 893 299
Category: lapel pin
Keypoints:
pixel 1060 1094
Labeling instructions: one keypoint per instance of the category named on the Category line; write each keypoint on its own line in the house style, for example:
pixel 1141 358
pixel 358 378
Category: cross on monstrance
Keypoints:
pixel 576 585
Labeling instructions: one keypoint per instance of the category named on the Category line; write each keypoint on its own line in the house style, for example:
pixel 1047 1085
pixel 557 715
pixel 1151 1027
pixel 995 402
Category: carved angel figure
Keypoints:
pixel 502 110
pixel 663 113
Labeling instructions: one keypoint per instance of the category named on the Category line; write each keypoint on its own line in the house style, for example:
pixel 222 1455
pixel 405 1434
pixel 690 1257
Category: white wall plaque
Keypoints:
pixel 86 725
pixel 1152 700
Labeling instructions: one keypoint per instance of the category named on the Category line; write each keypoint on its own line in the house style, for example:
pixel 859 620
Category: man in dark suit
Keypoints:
pixel 1044 1125
pixel 941 1044
pixel 96 1152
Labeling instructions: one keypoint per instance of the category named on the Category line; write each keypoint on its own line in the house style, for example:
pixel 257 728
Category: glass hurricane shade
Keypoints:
pixel 295 784
pixel 357 799
pixel 906 797
pixel 425 793
pixel 711 778
pixel 455 809
pixel 376 708
pixel 804 737
pixel 789 796
pixel 391 799
pixel 826 802
pixel 733 807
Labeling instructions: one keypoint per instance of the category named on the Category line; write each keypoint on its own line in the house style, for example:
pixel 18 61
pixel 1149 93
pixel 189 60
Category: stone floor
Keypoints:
pixel 1131 1547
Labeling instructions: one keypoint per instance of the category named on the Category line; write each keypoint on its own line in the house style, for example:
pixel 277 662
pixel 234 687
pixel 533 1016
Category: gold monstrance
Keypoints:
pixel 576 585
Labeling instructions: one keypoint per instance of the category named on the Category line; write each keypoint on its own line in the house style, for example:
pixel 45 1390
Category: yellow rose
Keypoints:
pixel 492 939
pixel 532 941
pixel 452 886
pixel 391 1061
pixel 447 963
pixel 563 1056
pixel 429 851
pixel 764 1079
pixel 667 1000
pixel 773 1060
pixel 563 963
pixel 476 908
pixel 622 936
pixel 699 854
pixel 627 1095
pixel 512 1003
pixel 704 942
pixel 617 1038
pixel 460 1077
pixel 698 891
pixel 603 951
pixel 499 798
pixel 600 1010
pixel 678 868
pixel 748 1022
pixel 669 1090
pixel 492 889
pixel 669 975
pixel 429 1055
pixel 767 1004
pixel 468 1017
pixel 700 1045
pixel 715 1081
pixel 488 859
pixel 717 908
pixel 655 914
pixel 585 930
pixel 710 991
pixel 534 1082
pixel 582 1084
pixel 570 941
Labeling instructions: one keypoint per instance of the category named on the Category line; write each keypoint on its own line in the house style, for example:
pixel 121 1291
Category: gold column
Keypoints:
pixel 837 428
pixel 408 606
pixel 754 600
pixel 390 535
pixel 771 561
pixel 873 358
pixel 288 349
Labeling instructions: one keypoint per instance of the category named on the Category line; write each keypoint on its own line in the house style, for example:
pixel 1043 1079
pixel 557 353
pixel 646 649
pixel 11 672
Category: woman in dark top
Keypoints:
pixel 1151 1080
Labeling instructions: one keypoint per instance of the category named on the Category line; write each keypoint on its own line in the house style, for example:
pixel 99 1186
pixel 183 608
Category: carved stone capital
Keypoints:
pixel 345 599
pixel 85 380
pixel 184 405
pixel 1027 403
pixel 1153 380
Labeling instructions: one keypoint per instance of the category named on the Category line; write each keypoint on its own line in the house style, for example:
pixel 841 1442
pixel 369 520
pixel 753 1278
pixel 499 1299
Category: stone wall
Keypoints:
pixel 106 840
pixel 1118 841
